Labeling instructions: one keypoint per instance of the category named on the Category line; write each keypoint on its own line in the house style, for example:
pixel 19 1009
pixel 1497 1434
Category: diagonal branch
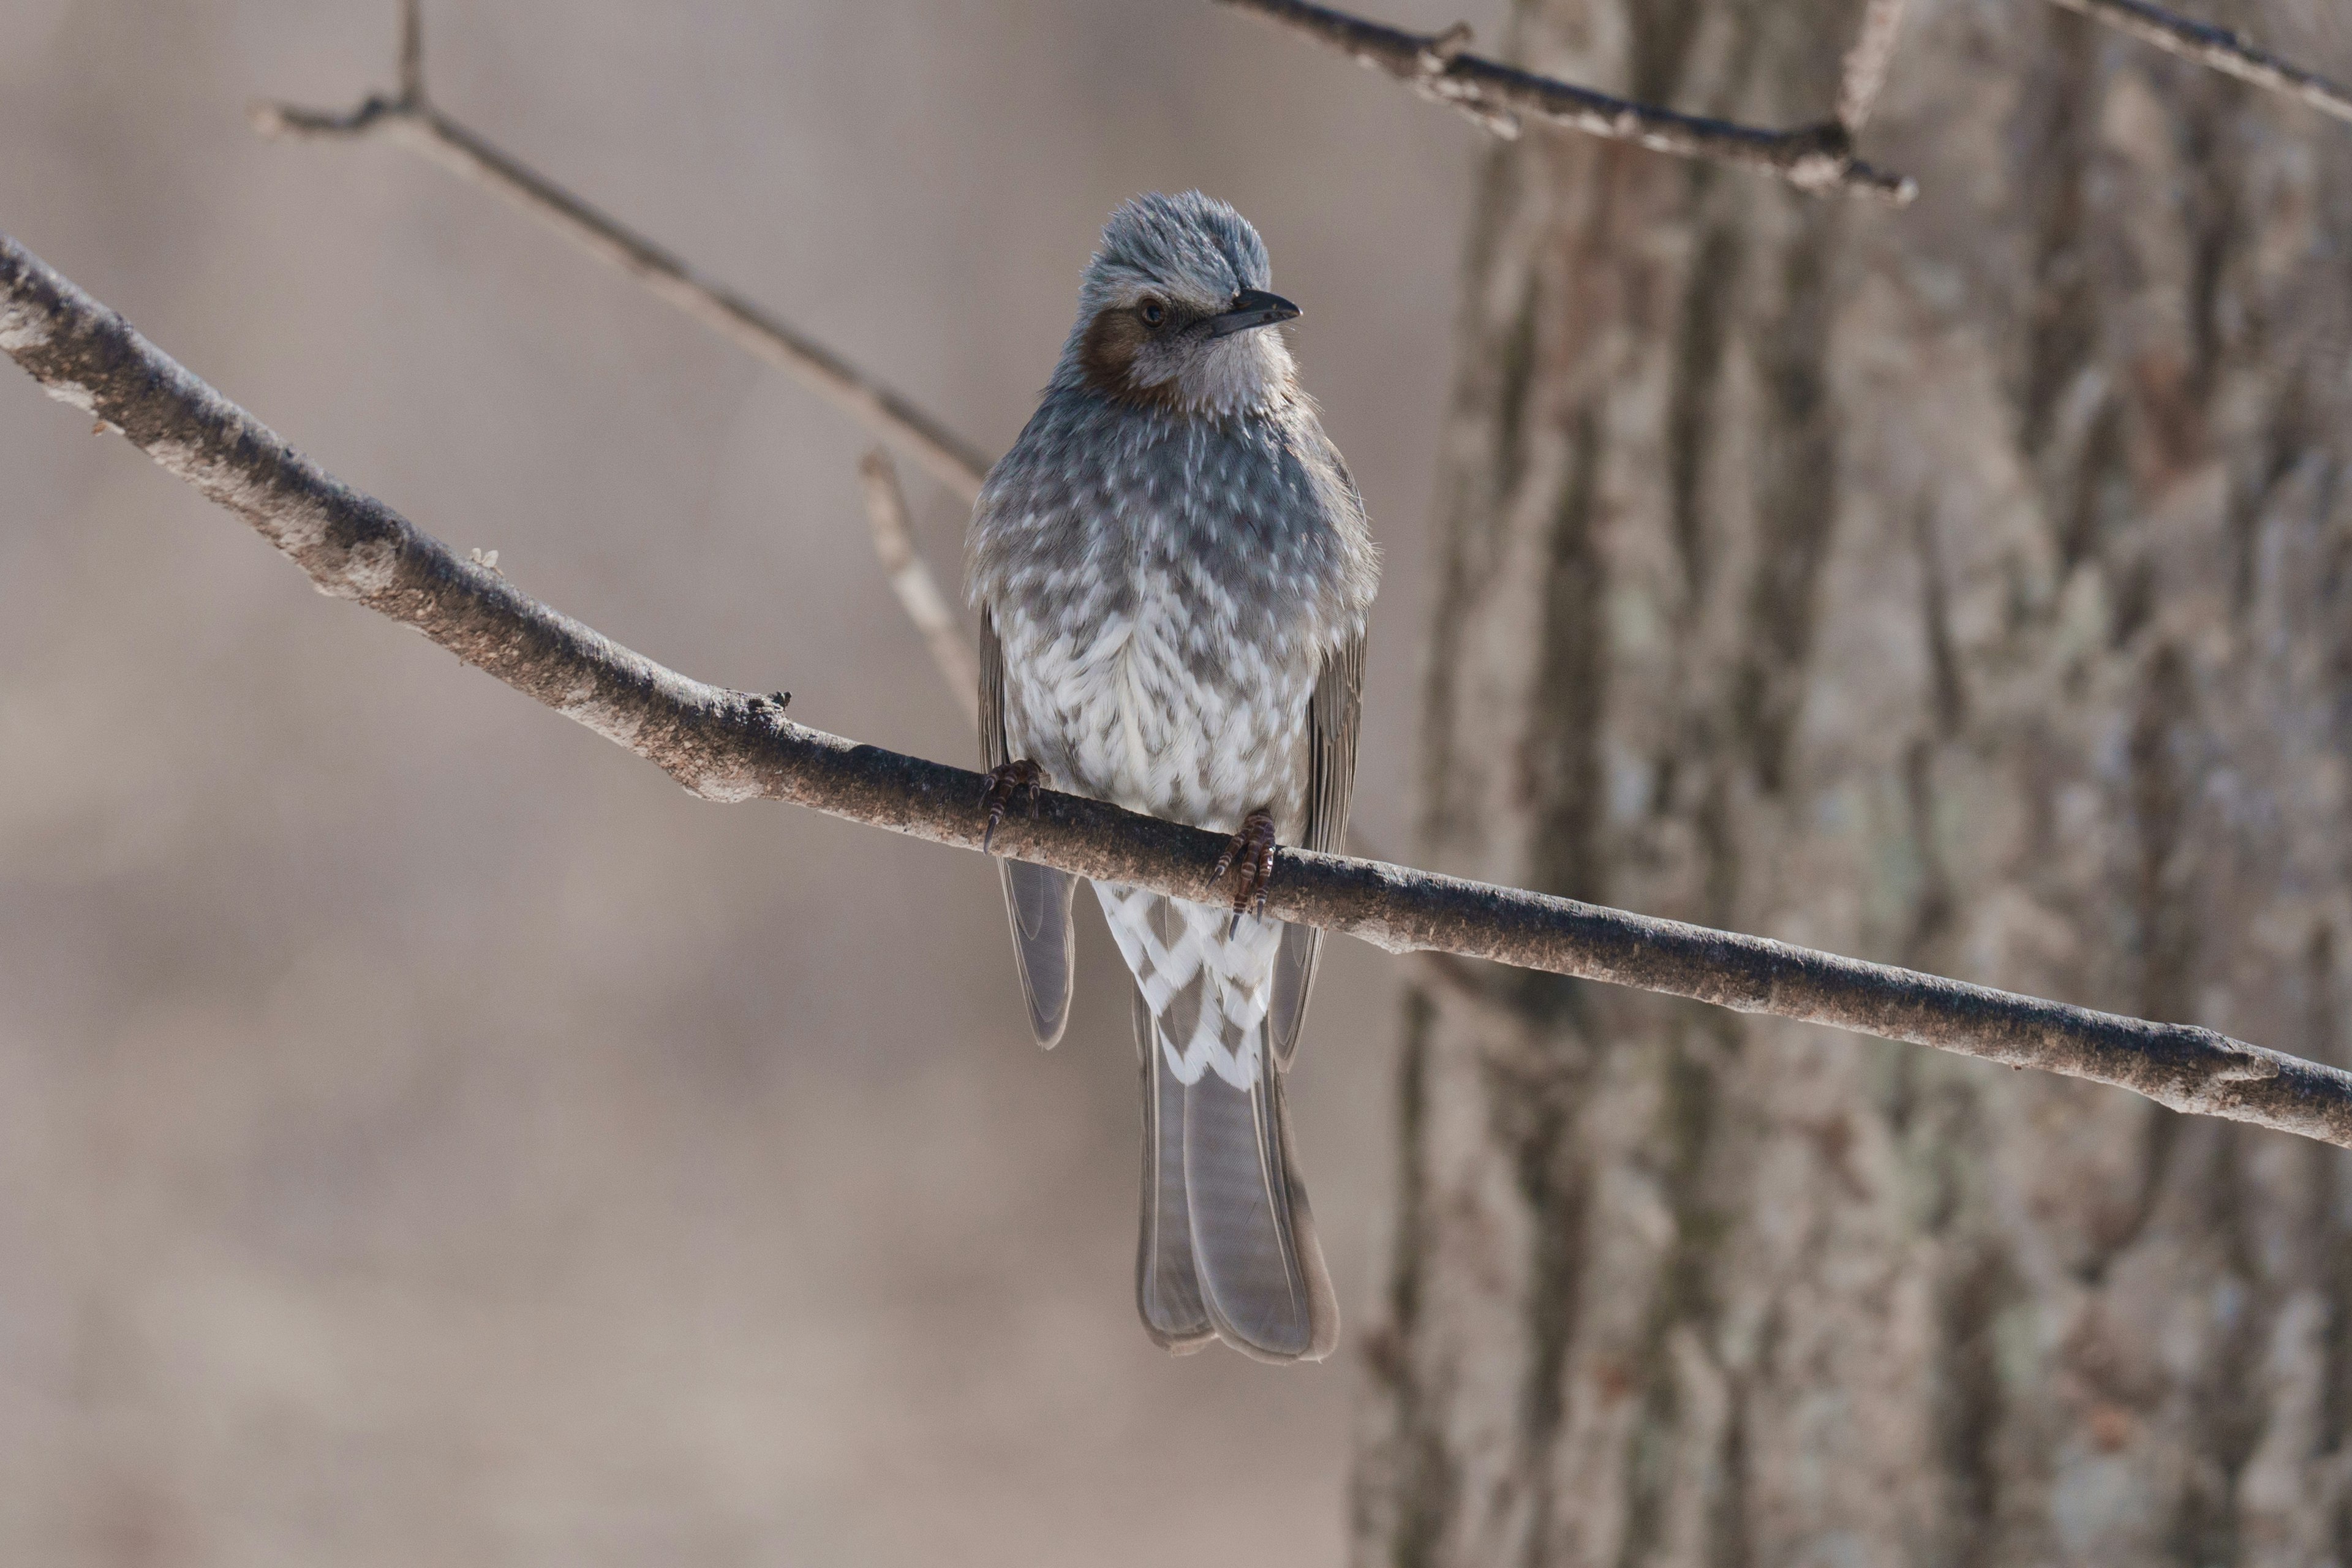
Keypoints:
pixel 412 51
pixel 1817 158
pixel 1865 70
pixel 911 581
pixel 728 745
pixel 2232 54
pixel 410 120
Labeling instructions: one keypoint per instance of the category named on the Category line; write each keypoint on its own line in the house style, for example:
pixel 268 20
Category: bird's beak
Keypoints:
pixel 1251 308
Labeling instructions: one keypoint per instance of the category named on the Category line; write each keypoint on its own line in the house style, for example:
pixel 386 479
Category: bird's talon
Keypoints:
pixel 1005 784
pixel 1252 851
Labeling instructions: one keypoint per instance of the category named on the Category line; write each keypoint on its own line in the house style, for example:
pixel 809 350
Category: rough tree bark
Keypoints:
pixel 1970 586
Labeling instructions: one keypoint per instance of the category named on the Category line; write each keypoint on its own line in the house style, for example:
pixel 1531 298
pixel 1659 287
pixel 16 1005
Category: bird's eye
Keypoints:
pixel 1153 312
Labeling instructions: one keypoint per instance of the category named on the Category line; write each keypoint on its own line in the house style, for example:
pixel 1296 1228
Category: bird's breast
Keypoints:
pixel 1169 699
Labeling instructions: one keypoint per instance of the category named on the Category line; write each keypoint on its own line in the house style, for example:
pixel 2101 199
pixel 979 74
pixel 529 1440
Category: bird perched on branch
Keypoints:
pixel 1172 572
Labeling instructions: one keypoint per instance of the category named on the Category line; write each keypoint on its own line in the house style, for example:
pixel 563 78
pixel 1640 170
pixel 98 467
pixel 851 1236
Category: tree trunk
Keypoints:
pixel 1969 586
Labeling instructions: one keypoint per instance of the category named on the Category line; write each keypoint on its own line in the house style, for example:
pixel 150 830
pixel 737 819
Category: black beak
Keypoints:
pixel 1251 308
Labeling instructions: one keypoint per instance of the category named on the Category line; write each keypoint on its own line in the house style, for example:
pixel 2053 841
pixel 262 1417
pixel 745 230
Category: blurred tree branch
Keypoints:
pixel 918 592
pixel 2219 48
pixel 1863 76
pixel 1818 158
pixel 726 745
pixel 410 119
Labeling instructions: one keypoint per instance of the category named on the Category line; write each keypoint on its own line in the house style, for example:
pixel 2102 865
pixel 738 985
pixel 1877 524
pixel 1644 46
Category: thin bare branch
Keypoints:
pixel 1818 158
pixel 413 123
pixel 911 580
pixel 412 51
pixel 729 745
pixel 410 119
pixel 1865 73
pixel 2232 54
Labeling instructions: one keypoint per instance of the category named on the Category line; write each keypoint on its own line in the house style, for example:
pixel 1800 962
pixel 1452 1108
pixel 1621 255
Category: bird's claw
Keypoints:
pixel 1252 851
pixel 1005 784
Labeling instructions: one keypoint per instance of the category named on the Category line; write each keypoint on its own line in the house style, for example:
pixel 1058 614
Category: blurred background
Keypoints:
pixel 425 1133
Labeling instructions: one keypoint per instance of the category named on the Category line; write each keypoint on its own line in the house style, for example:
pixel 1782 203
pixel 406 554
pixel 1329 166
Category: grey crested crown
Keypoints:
pixel 1190 242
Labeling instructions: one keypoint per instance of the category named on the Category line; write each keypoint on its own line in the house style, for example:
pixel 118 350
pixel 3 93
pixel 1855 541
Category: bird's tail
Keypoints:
pixel 1228 1248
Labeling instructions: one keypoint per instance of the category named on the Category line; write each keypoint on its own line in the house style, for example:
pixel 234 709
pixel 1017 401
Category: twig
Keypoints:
pixel 411 120
pixel 2232 54
pixel 729 745
pixel 1864 72
pixel 412 51
pixel 911 580
pixel 1817 158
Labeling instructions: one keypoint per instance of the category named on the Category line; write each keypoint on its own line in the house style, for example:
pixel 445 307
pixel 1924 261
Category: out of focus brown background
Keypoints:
pixel 428 1135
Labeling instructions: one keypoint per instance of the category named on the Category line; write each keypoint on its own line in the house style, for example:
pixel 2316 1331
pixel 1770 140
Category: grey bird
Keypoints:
pixel 1173 571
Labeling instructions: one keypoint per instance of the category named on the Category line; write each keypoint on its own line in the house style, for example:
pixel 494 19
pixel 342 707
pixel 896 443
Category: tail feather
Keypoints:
pixel 1167 1289
pixel 1254 1243
pixel 1228 1241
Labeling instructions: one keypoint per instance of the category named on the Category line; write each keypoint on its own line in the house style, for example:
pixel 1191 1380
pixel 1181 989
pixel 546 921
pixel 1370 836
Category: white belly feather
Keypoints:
pixel 1127 709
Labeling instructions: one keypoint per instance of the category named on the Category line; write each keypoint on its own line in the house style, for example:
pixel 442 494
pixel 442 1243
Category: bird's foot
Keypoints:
pixel 1004 785
pixel 1251 850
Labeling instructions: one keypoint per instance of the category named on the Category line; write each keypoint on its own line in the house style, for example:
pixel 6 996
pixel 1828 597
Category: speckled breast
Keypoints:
pixel 1165 590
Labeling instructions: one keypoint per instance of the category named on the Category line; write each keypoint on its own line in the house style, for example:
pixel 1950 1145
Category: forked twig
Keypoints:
pixel 410 119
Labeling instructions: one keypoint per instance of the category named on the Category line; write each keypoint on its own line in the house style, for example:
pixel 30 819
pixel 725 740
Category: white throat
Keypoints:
pixel 1233 375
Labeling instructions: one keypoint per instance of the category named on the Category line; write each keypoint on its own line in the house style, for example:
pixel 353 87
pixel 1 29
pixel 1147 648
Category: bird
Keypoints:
pixel 1173 573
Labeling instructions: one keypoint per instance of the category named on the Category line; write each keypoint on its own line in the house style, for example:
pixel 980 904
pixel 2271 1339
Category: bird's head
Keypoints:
pixel 1172 310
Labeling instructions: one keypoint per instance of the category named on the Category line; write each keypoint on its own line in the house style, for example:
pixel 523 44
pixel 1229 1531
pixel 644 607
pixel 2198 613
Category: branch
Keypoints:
pixel 911 580
pixel 1866 66
pixel 410 120
pixel 1816 158
pixel 726 745
pixel 412 51
pixel 2232 54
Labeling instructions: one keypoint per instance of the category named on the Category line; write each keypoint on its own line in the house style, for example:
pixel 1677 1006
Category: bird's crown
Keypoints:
pixel 1193 245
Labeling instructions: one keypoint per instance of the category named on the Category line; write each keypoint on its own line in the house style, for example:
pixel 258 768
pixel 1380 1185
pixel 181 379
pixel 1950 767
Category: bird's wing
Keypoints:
pixel 1037 898
pixel 1332 715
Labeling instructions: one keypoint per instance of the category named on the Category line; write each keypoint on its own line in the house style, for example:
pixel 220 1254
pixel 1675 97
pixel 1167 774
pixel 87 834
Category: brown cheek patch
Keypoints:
pixel 1107 358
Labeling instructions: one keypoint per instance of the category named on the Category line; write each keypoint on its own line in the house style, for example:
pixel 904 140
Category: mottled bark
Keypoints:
pixel 1970 586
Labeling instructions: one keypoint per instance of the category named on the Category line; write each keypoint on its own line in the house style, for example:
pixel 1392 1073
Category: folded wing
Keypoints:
pixel 1037 898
